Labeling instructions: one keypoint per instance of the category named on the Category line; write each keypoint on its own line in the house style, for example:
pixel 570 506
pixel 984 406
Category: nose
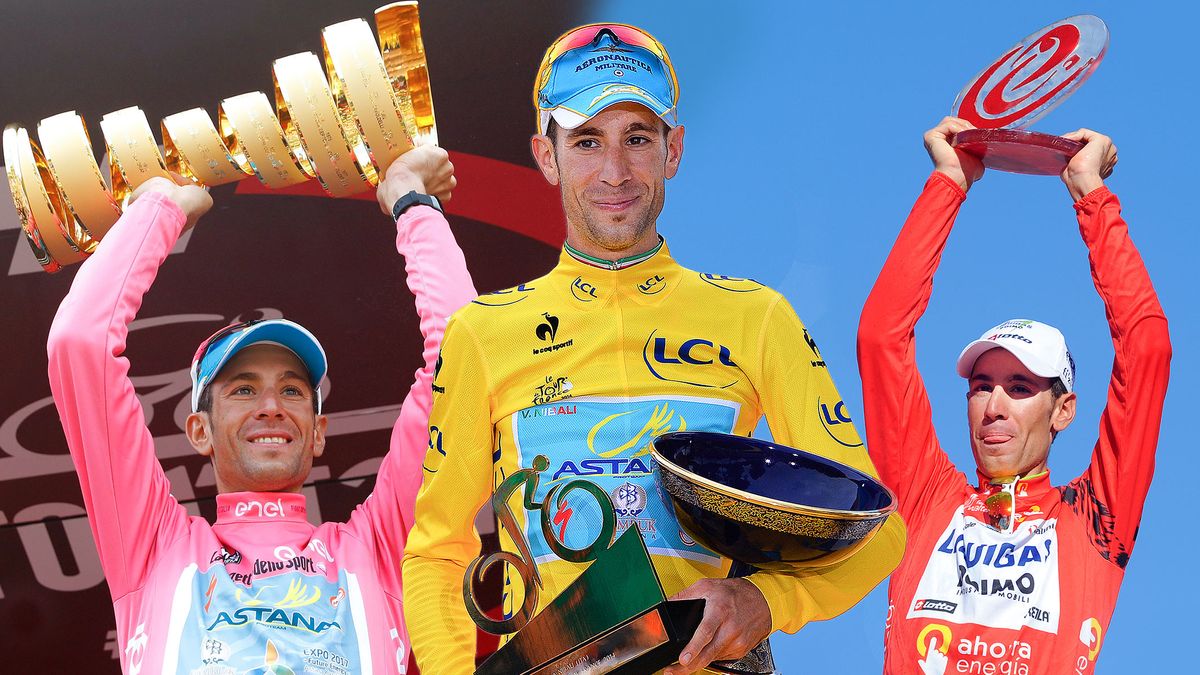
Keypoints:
pixel 997 404
pixel 615 169
pixel 269 405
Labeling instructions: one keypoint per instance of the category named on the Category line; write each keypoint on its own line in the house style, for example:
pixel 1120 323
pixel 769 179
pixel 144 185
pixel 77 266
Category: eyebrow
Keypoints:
pixel 1015 377
pixel 589 130
pixel 248 376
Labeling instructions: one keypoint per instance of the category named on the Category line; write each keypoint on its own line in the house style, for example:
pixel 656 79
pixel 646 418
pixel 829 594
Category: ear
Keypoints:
pixel 543 155
pixel 319 426
pixel 674 150
pixel 199 433
pixel 1064 412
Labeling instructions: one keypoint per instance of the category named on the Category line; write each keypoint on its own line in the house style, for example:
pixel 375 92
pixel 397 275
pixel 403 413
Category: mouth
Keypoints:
pixel 615 205
pixel 269 439
pixel 995 437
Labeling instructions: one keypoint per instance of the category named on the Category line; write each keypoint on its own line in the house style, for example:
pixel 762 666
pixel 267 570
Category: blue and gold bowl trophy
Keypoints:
pixel 763 505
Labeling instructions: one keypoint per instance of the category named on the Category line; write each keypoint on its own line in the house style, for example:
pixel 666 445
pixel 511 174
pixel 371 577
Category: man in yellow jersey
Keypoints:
pixel 617 344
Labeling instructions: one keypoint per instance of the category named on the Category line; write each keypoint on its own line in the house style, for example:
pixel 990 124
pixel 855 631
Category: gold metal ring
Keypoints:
pixel 133 156
pixel 42 213
pixel 68 151
pixel 256 144
pixel 194 149
pixel 311 124
pixel 370 111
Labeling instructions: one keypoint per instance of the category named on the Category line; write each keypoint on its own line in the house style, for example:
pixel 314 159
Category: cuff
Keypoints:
pixel 1094 199
pixel 939 177
pixel 164 203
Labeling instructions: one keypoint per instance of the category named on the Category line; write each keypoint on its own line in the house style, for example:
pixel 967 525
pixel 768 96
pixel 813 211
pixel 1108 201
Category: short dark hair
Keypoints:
pixel 205 403
pixel 1057 390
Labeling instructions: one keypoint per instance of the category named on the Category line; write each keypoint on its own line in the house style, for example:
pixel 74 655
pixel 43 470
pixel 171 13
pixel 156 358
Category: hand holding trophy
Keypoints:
pixel 1023 85
pixel 344 131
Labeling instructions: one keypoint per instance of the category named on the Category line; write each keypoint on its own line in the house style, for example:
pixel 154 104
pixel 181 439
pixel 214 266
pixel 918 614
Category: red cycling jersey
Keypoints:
pixel 1033 592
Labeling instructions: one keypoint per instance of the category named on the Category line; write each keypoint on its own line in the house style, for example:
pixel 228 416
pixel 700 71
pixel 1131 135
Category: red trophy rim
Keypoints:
pixel 1034 76
pixel 1018 150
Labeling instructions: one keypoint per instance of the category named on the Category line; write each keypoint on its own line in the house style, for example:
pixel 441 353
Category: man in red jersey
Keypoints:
pixel 1009 574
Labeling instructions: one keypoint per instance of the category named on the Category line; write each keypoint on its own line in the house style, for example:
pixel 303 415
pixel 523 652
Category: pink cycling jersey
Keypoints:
pixel 262 590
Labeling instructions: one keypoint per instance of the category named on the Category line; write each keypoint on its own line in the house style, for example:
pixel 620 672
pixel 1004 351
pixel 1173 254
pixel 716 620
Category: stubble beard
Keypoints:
pixel 622 235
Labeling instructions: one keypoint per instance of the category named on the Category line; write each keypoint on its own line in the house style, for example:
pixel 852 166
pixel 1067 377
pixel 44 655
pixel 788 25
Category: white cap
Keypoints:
pixel 1040 347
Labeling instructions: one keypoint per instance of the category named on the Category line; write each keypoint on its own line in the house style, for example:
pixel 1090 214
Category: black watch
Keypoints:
pixel 412 199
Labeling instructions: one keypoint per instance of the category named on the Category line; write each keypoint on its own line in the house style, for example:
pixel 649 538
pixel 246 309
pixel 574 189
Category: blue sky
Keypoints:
pixel 802 157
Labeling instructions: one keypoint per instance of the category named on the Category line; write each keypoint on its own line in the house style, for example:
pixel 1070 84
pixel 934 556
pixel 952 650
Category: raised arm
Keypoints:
pixel 1112 492
pixel 438 278
pixel 897 416
pixel 125 492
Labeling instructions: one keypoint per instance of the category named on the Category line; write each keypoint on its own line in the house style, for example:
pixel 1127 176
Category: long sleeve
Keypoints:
pixel 457 471
pixel 1113 490
pixel 125 492
pixel 805 410
pixel 436 273
pixel 898 418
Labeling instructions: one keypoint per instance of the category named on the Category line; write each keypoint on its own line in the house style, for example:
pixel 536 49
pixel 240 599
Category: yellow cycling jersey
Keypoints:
pixel 585 366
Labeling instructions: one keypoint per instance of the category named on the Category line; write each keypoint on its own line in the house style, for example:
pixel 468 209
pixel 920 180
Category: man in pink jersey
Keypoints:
pixel 261 590
pixel 1008 573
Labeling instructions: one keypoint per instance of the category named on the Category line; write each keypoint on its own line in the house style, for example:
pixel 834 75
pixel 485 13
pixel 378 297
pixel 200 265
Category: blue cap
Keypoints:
pixel 585 80
pixel 217 350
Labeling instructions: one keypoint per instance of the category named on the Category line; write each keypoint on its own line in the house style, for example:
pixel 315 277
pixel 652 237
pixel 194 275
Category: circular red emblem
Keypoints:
pixel 1035 75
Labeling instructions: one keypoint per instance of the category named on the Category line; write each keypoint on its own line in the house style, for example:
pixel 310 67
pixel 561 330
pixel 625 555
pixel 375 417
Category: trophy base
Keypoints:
pixel 642 645
pixel 1017 150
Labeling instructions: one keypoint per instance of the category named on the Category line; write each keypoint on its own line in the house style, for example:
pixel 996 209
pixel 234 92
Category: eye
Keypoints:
pixel 638 140
pixel 293 390
pixel 587 143
pixel 981 387
pixel 243 390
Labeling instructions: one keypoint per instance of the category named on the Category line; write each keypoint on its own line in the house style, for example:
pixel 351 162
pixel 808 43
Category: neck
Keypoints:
pixel 579 245
pixel 606 260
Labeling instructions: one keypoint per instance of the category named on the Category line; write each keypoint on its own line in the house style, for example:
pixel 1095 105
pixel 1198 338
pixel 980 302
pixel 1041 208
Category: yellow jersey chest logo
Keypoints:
pixel 695 360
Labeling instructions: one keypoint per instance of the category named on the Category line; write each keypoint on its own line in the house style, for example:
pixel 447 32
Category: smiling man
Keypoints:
pixel 262 589
pixel 616 345
pixel 1007 573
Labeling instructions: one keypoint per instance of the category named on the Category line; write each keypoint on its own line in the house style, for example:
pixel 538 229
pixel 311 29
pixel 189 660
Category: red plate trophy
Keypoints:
pixel 1020 87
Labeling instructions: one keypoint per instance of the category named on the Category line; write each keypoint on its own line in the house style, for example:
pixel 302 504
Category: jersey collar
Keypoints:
pixel 261 507
pixel 587 281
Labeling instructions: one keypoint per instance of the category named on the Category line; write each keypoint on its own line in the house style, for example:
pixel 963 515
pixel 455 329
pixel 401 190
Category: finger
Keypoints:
pixel 705 632
pixel 724 646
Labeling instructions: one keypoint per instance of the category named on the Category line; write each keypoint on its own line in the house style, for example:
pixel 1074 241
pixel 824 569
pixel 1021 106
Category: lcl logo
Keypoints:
pixel 675 362
pixel 582 290
pixel 653 285
pixel 837 423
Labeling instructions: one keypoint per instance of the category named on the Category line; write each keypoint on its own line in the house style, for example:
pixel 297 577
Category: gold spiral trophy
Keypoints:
pixel 613 618
pixel 344 131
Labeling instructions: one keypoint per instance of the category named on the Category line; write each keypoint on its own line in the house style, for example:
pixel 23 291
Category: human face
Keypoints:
pixel 262 433
pixel 1012 414
pixel 611 172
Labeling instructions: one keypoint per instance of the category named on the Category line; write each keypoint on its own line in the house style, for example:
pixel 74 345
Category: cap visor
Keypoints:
pixel 586 104
pixel 966 360
pixel 285 334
